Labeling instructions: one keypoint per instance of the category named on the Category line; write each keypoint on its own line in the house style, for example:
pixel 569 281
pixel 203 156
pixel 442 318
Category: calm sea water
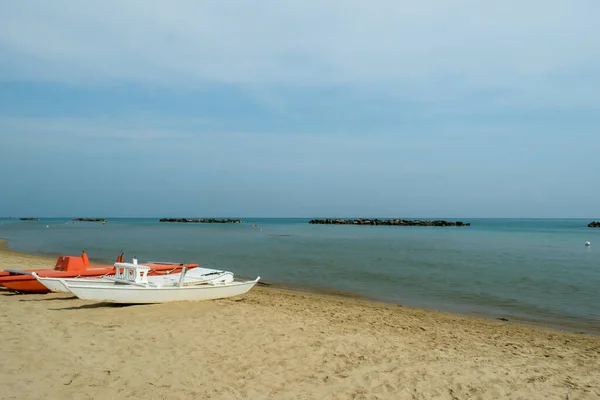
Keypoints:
pixel 534 270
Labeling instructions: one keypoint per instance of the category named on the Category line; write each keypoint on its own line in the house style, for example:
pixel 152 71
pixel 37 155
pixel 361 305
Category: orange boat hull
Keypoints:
pixel 24 284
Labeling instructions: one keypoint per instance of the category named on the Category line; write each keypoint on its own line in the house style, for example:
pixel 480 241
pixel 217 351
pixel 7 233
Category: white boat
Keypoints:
pixel 132 285
pixel 194 275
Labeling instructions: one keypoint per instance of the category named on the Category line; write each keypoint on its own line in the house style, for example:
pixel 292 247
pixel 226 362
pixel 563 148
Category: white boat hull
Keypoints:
pixel 56 285
pixel 130 294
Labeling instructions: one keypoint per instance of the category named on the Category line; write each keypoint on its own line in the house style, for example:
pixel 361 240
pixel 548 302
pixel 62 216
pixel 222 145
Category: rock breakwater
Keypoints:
pixel 202 220
pixel 387 222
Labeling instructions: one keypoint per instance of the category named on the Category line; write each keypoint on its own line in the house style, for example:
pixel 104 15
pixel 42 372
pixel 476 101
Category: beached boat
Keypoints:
pixel 192 276
pixel 132 285
pixel 70 267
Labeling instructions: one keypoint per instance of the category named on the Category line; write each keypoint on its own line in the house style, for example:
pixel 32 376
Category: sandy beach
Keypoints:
pixel 272 343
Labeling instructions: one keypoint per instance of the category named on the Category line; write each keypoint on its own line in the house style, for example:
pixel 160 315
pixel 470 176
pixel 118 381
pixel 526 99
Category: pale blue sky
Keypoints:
pixel 300 108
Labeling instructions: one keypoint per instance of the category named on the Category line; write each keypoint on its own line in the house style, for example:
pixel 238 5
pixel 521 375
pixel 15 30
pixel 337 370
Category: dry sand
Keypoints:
pixel 280 345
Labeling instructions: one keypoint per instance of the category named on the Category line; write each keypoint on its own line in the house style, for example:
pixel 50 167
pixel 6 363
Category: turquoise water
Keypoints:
pixel 535 270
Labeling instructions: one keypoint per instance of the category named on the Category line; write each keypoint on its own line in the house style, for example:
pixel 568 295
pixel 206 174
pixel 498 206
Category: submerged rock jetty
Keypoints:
pixel 594 224
pixel 29 219
pixel 90 219
pixel 388 222
pixel 203 220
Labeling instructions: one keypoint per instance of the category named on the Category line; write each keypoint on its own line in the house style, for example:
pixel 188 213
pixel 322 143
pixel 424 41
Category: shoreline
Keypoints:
pixel 338 294
pixel 278 343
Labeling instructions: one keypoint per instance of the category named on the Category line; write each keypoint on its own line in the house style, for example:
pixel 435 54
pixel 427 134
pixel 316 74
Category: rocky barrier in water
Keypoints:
pixel 387 222
pixel 90 219
pixel 29 219
pixel 594 224
pixel 202 220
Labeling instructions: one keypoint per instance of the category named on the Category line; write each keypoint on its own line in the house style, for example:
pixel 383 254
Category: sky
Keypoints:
pixel 389 108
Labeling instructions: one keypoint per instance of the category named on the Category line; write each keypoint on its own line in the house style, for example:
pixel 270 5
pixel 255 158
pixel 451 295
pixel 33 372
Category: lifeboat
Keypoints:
pixel 23 281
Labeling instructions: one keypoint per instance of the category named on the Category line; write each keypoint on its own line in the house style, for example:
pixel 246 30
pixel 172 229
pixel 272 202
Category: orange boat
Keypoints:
pixel 75 267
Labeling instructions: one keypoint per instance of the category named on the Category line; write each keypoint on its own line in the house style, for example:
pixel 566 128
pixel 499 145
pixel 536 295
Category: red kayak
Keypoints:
pixel 75 267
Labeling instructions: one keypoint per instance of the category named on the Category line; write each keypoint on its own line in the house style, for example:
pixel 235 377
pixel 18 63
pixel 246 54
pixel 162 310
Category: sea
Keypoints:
pixel 536 271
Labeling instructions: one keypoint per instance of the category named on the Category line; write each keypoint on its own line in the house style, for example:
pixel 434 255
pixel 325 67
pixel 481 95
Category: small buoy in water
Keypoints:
pixel 587 244
pixel 47 226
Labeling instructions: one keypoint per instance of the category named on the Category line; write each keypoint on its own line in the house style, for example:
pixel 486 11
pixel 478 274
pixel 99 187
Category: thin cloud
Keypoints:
pixel 297 42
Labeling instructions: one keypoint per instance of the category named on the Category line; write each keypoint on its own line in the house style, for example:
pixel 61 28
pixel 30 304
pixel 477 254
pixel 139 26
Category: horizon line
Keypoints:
pixel 286 217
